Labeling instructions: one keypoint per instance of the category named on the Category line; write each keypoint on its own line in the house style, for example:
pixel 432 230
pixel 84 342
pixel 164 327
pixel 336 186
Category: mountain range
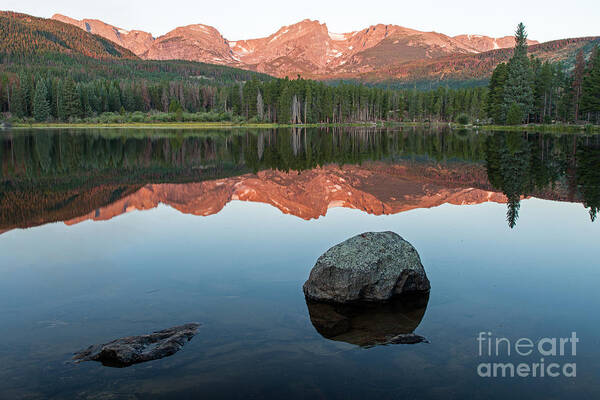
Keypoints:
pixel 306 48
pixel 378 53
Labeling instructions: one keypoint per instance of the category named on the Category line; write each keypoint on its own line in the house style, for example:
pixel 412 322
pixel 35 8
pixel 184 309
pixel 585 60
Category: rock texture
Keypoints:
pixel 370 324
pixel 306 48
pixel 372 266
pixel 408 338
pixel 471 66
pixel 136 41
pixel 25 34
pixel 137 349
pixel 482 43
pixel 193 43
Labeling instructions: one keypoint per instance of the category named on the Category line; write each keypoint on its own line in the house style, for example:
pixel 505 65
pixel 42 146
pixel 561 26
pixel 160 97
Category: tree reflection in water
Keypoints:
pixel 55 175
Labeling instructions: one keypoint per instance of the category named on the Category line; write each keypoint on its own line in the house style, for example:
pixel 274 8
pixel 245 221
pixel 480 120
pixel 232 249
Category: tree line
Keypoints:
pixel 552 97
pixel 52 98
pixel 58 87
pixel 528 90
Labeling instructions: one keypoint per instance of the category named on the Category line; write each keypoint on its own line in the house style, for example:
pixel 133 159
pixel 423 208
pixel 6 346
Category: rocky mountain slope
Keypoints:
pixel 471 66
pixel 306 48
pixel 309 48
pixel 22 34
pixel 483 43
pixel 136 41
pixel 379 53
pixel 193 43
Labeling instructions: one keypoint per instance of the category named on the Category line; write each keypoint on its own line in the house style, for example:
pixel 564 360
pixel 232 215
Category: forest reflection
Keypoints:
pixel 55 175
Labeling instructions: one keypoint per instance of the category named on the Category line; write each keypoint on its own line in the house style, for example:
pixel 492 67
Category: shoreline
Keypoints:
pixel 558 128
pixel 185 125
pixel 549 128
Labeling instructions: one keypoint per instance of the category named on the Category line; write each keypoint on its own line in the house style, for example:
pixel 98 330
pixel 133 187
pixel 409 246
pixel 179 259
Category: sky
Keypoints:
pixel 245 19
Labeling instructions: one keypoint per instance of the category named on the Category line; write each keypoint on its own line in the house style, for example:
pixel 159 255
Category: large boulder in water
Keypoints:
pixel 372 266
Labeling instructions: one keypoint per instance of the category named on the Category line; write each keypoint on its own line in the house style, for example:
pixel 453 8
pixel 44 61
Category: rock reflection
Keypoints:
pixel 370 324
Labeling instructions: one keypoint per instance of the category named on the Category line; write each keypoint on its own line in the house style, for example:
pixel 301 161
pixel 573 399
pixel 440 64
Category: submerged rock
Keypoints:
pixel 137 349
pixel 373 266
pixel 370 324
pixel 408 338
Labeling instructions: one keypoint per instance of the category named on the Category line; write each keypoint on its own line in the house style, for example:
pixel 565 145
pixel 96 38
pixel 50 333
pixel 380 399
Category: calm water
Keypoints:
pixel 108 234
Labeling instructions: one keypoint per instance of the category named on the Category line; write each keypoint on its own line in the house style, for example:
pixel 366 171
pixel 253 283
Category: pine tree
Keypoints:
pixel 69 101
pixel 114 98
pixel 16 104
pixel 587 176
pixel 4 93
pixel 543 90
pixel 495 99
pixel 308 99
pixel 27 93
pixel 41 108
pixel 284 109
pixel 518 88
pixel 53 95
pixel 249 97
pixel 590 91
pixel 578 81
pixel 514 116
pixel 86 107
pixel 175 106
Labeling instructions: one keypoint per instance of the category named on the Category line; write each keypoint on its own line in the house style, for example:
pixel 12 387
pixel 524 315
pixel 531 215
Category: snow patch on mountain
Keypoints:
pixel 337 36
pixel 278 35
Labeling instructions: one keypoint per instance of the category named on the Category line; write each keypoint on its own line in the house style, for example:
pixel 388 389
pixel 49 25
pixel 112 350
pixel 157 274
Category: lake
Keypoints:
pixel 112 233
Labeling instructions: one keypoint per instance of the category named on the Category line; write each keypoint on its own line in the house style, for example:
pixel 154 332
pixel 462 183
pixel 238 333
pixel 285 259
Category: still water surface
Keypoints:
pixel 106 236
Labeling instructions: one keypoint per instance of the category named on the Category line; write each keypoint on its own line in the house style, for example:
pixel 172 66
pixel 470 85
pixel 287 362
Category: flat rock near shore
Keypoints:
pixel 137 349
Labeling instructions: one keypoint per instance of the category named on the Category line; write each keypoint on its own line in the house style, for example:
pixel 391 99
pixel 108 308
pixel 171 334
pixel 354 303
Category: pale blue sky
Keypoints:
pixel 241 19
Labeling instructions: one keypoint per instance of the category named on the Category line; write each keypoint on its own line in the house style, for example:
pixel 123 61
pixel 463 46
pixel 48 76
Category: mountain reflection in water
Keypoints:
pixel 71 176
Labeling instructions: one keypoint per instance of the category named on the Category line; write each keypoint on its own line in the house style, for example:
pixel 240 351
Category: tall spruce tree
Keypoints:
pixel 544 83
pixel 495 99
pixel 16 104
pixel 27 94
pixel 590 88
pixel 70 103
pixel 578 82
pixel 41 108
pixel 519 81
pixel 114 98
